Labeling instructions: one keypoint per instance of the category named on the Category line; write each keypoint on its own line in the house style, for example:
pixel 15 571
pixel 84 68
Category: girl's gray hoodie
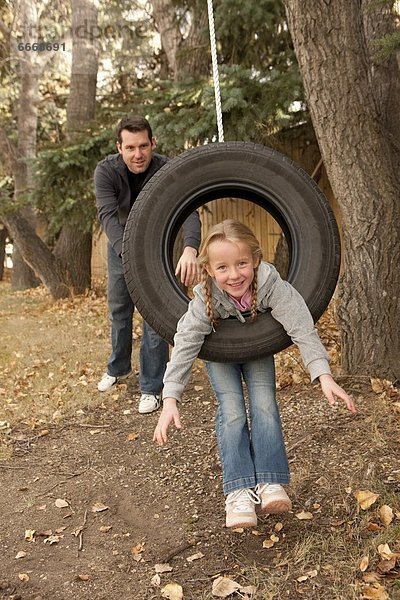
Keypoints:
pixel 287 307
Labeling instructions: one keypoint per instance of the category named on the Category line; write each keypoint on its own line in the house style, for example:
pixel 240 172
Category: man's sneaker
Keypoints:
pixel 149 403
pixel 107 381
pixel 273 499
pixel 240 508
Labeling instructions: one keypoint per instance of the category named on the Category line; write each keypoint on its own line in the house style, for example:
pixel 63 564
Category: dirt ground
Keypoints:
pixel 92 509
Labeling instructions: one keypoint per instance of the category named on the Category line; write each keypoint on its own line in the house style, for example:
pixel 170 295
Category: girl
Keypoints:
pixel 235 281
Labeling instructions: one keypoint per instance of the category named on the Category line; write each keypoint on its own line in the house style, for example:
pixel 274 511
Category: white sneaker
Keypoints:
pixel 107 381
pixel 149 403
pixel 240 508
pixel 274 499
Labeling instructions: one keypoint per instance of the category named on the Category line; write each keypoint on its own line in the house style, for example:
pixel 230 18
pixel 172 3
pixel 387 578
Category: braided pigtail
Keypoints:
pixel 254 288
pixel 207 291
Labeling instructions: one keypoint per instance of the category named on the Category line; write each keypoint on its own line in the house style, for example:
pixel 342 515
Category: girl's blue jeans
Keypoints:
pixel 251 447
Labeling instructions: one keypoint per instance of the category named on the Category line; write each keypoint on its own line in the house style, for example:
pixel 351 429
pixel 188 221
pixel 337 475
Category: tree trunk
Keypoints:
pixel 165 18
pixel 82 93
pixel 193 56
pixel 186 55
pixel 74 245
pixel 73 252
pixel 379 21
pixel 331 48
pixel 37 255
pixel 22 277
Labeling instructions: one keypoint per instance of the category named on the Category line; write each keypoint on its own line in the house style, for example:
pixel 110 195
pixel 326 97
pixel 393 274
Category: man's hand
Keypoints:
pixel 169 414
pixel 332 390
pixel 187 268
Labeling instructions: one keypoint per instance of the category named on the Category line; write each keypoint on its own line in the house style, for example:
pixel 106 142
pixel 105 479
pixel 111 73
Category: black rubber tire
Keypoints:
pixel 231 169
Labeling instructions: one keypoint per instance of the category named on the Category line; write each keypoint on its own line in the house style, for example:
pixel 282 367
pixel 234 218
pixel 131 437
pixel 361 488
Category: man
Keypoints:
pixel 118 180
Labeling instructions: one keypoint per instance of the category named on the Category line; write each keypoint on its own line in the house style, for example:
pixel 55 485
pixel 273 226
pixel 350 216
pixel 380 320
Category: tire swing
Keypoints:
pixel 229 170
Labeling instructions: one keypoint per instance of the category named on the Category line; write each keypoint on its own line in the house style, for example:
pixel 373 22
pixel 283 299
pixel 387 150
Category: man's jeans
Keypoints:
pixel 256 456
pixel 154 352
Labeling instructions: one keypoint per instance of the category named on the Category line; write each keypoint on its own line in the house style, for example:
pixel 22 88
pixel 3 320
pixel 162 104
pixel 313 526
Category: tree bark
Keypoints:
pixel 193 57
pixel 22 277
pixel 37 255
pixel 74 245
pixel 165 18
pixel 189 54
pixel 331 48
pixel 73 253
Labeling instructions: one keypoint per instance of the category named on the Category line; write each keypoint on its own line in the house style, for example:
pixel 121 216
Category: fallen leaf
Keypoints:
pixel 377 385
pixel 173 591
pixel 371 577
pixel 268 543
pixel 61 503
pixel 23 577
pixel 365 498
pixel 278 527
pixel 83 577
pixel 163 568
pixel 195 557
pixel 198 388
pixel 385 551
pixel 52 539
pixel 364 562
pixel 375 592
pixel 386 515
pixel 155 580
pixel 224 587
pixel 99 507
pixel 302 578
pixel 30 535
pixel 20 554
pixel 131 437
pixel 373 527
pixel 105 528
pixel 384 566
pixel 5 427
pixel 304 516
pixel 312 573
pixel 138 549
pixel 61 529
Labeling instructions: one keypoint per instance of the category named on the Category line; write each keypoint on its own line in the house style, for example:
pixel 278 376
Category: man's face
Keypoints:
pixel 136 150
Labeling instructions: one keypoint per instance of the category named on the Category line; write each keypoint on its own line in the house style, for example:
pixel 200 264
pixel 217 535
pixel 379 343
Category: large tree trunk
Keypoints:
pixel 73 252
pixel 189 54
pixel 74 245
pixel 37 255
pixel 22 276
pixel 331 48
pixel 193 56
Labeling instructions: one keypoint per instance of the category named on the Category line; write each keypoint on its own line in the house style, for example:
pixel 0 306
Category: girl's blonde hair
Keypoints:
pixel 231 231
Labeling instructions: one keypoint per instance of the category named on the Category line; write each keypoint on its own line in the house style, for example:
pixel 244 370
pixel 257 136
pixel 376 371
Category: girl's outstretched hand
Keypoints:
pixel 169 414
pixel 332 390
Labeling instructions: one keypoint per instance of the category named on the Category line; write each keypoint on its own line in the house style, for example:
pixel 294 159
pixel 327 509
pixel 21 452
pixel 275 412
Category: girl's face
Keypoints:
pixel 232 266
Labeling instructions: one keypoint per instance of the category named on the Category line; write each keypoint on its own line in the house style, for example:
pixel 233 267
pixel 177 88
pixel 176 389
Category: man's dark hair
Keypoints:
pixel 133 124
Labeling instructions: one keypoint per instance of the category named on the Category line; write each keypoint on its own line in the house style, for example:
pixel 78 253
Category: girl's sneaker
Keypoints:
pixel 273 499
pixel 240 508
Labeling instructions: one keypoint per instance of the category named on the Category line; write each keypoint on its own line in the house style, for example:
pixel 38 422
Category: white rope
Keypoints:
pixel 214 59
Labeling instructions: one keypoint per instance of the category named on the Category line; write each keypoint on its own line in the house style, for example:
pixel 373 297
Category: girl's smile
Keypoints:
pixel 232 266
